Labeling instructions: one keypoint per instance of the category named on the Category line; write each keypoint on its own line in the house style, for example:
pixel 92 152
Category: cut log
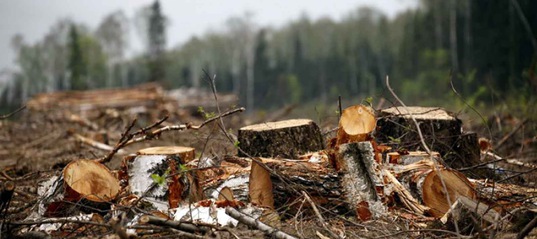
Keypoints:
pixel 319 179
pixel 286 139
pixel 441 131
pixel 424 182
pixel 185 154
pixel 356 123
pixel 90 180
pixel 360 179
pixel 161 176
pixel 435 195
pixel 260 188
pixel 410 157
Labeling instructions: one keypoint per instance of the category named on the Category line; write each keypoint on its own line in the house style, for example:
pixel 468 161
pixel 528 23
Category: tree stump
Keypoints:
pixel 286 139
pixel 441 131
pixel 85 185
pixel 355 125
pixel 90 180
pixel 161 176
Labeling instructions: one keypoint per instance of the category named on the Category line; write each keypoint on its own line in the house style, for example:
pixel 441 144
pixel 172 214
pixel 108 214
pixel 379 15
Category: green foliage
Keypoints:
pixel 206 115
pixel 160 179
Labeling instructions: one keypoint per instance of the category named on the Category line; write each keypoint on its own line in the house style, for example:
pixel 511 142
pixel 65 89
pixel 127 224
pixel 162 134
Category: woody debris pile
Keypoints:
pixel 177 171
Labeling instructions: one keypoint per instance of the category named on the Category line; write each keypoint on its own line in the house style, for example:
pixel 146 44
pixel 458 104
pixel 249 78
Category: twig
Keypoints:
pixel 182 226
pixel 321 219
pixel 180 127
pixel 249 221
pixel 125 137
pixel 527 229
pixel 508 136
pixel 339 107
pixel 96 144
pixel 12 113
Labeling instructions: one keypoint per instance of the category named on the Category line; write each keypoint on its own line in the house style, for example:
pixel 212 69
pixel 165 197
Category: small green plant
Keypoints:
pixel 160 179
pixel 206 115
pixel 236 144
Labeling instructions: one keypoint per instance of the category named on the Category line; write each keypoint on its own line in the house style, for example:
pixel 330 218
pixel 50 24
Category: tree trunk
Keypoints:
pixel 287 139
pixel 360 179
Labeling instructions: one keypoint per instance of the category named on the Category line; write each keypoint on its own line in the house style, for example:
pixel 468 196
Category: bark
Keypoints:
pixel 287 139
pixel 426 183
pixel 359 175
pixel 291 177
pixel 159 175
pixel 441 131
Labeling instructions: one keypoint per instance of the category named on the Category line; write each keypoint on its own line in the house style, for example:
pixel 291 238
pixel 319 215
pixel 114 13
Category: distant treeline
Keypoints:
pixel 488 48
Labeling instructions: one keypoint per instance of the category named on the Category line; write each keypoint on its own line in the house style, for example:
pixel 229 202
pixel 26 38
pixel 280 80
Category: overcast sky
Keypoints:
pixel 33 18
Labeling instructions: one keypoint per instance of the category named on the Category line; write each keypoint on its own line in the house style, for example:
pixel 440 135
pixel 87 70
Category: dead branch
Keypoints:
pixel 157 132
pixel 181 226
pixel 508 136
pixel 321 219
pixel 527 229
pixel 12 113
pixel 96 144
pixel 125 137
pixel 251 222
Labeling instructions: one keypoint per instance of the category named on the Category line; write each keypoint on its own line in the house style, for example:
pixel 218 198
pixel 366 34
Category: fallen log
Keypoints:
pixel 286 139
pixel 160 175
pixel 284 189
pixel 428 185
pixel 360 179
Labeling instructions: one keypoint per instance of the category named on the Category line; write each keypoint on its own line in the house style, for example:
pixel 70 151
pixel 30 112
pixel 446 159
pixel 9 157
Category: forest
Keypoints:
pixel 485 51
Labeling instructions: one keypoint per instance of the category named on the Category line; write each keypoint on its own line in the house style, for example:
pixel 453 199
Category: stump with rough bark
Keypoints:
pixel 161 176
pixel 286 139
pixel 442 132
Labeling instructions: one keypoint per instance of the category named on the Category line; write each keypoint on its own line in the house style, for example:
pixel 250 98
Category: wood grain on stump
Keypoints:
pixel 356 123
pixel 287 139
pixel 186 154
pixel 90 180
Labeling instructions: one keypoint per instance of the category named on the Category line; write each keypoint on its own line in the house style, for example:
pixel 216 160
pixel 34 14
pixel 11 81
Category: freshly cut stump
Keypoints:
pixel 434 195
pixel 160 175
pixel 355 124
pixel 286 139
pixel 90 180
pixel 185 154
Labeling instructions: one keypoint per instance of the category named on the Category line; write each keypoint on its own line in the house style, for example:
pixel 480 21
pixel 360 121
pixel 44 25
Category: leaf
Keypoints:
pixel 158 179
